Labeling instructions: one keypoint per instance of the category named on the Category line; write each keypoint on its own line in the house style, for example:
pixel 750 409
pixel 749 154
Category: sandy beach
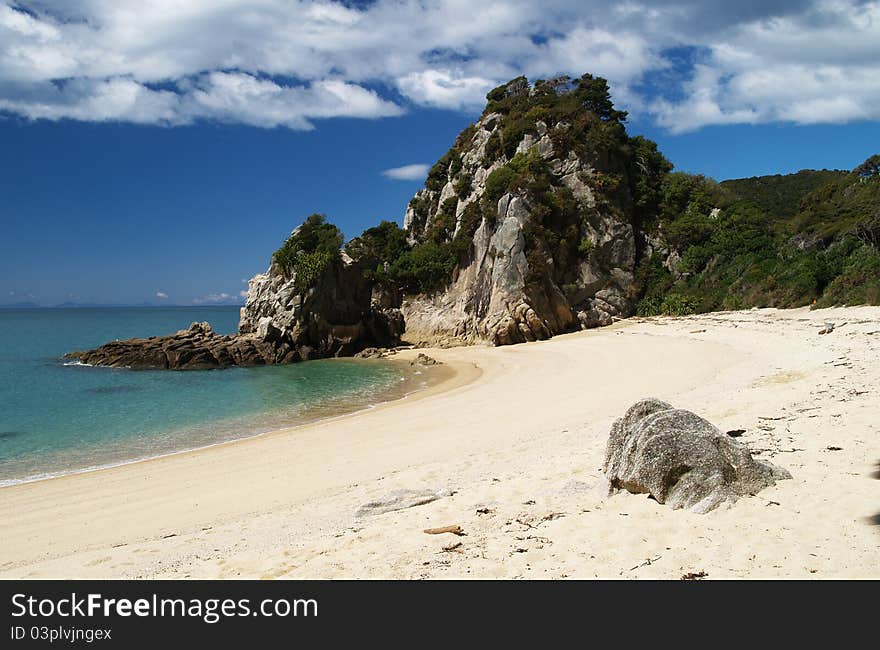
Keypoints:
pixel 514 440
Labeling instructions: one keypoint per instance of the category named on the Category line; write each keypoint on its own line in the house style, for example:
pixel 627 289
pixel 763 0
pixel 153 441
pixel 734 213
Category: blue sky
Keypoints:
pixel 156 153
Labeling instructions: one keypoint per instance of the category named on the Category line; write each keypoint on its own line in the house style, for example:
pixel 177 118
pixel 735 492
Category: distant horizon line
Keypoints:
pixel 32 305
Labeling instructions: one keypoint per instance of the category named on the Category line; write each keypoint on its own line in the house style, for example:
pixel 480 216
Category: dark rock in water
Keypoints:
pixel 681 460
pixel 6 435
pixel 197 347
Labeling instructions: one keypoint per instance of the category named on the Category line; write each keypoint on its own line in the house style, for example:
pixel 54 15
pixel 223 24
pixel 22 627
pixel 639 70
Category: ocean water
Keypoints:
pixel 57 417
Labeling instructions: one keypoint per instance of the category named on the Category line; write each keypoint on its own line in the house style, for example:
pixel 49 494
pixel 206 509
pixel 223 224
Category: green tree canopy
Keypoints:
pixel 309 250
pixel 378 246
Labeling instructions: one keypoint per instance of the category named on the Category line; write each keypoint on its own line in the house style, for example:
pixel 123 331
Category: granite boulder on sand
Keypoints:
pixel 681 460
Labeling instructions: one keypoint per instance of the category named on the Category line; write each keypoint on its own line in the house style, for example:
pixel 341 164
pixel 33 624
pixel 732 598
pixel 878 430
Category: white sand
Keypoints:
pixel 519 431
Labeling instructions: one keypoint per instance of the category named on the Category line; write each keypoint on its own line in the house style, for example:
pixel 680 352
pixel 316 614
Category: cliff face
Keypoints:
pixel 337 316
pixel 544 187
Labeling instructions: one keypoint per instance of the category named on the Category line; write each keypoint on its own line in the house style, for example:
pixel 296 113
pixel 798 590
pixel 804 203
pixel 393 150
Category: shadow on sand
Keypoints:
pixel 876 518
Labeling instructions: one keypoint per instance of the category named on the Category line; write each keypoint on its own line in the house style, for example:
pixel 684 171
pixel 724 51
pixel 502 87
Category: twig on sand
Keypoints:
pixel 538 538
pixel 524 523
pixel 647 562
pixel 455 529
pixel 451 547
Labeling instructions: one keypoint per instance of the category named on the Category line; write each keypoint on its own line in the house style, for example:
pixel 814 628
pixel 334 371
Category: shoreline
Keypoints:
pixel 438 381
pixel 517 434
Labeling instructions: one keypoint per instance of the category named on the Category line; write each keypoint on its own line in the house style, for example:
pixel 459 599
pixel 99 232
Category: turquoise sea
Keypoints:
pixel 57 417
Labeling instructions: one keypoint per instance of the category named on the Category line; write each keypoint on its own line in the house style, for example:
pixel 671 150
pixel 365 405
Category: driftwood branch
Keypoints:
pixel 454 529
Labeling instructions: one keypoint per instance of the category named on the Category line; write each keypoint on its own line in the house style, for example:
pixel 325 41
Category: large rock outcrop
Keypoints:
pixel 281 322
pixel 339 316
pixel 554 252
pixel 195 348
pixel 681 460
pixel 531 225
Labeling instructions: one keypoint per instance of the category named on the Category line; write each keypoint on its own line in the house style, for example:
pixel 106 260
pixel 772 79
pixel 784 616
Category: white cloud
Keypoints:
pixel 217 299
pixel 415 172
pixel 702 106
pixel 115 99
pixel 243 293
pixel 271 63
pixel 820 64
pixel 445 88
pixel 238 97
pixel 162 295
pixel 619 55
pixel 221 96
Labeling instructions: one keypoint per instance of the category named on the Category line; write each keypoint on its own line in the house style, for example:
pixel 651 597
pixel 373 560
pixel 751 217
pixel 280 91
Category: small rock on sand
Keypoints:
pixel 373 353
pixel 424 360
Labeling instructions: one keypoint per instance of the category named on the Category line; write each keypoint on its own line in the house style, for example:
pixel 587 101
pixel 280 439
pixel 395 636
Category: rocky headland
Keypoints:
pixel 544 217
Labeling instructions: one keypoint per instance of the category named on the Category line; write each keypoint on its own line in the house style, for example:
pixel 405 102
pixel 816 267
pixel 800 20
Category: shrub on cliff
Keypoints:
pixel 439 172
pixel 309 250
pixel 524 171
pixel 378 247
pixel 425 268
pixel 858 281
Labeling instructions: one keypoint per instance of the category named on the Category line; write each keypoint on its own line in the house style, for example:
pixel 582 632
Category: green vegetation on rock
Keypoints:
pixel 780 241
pixel 377 248
pixel 309 250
